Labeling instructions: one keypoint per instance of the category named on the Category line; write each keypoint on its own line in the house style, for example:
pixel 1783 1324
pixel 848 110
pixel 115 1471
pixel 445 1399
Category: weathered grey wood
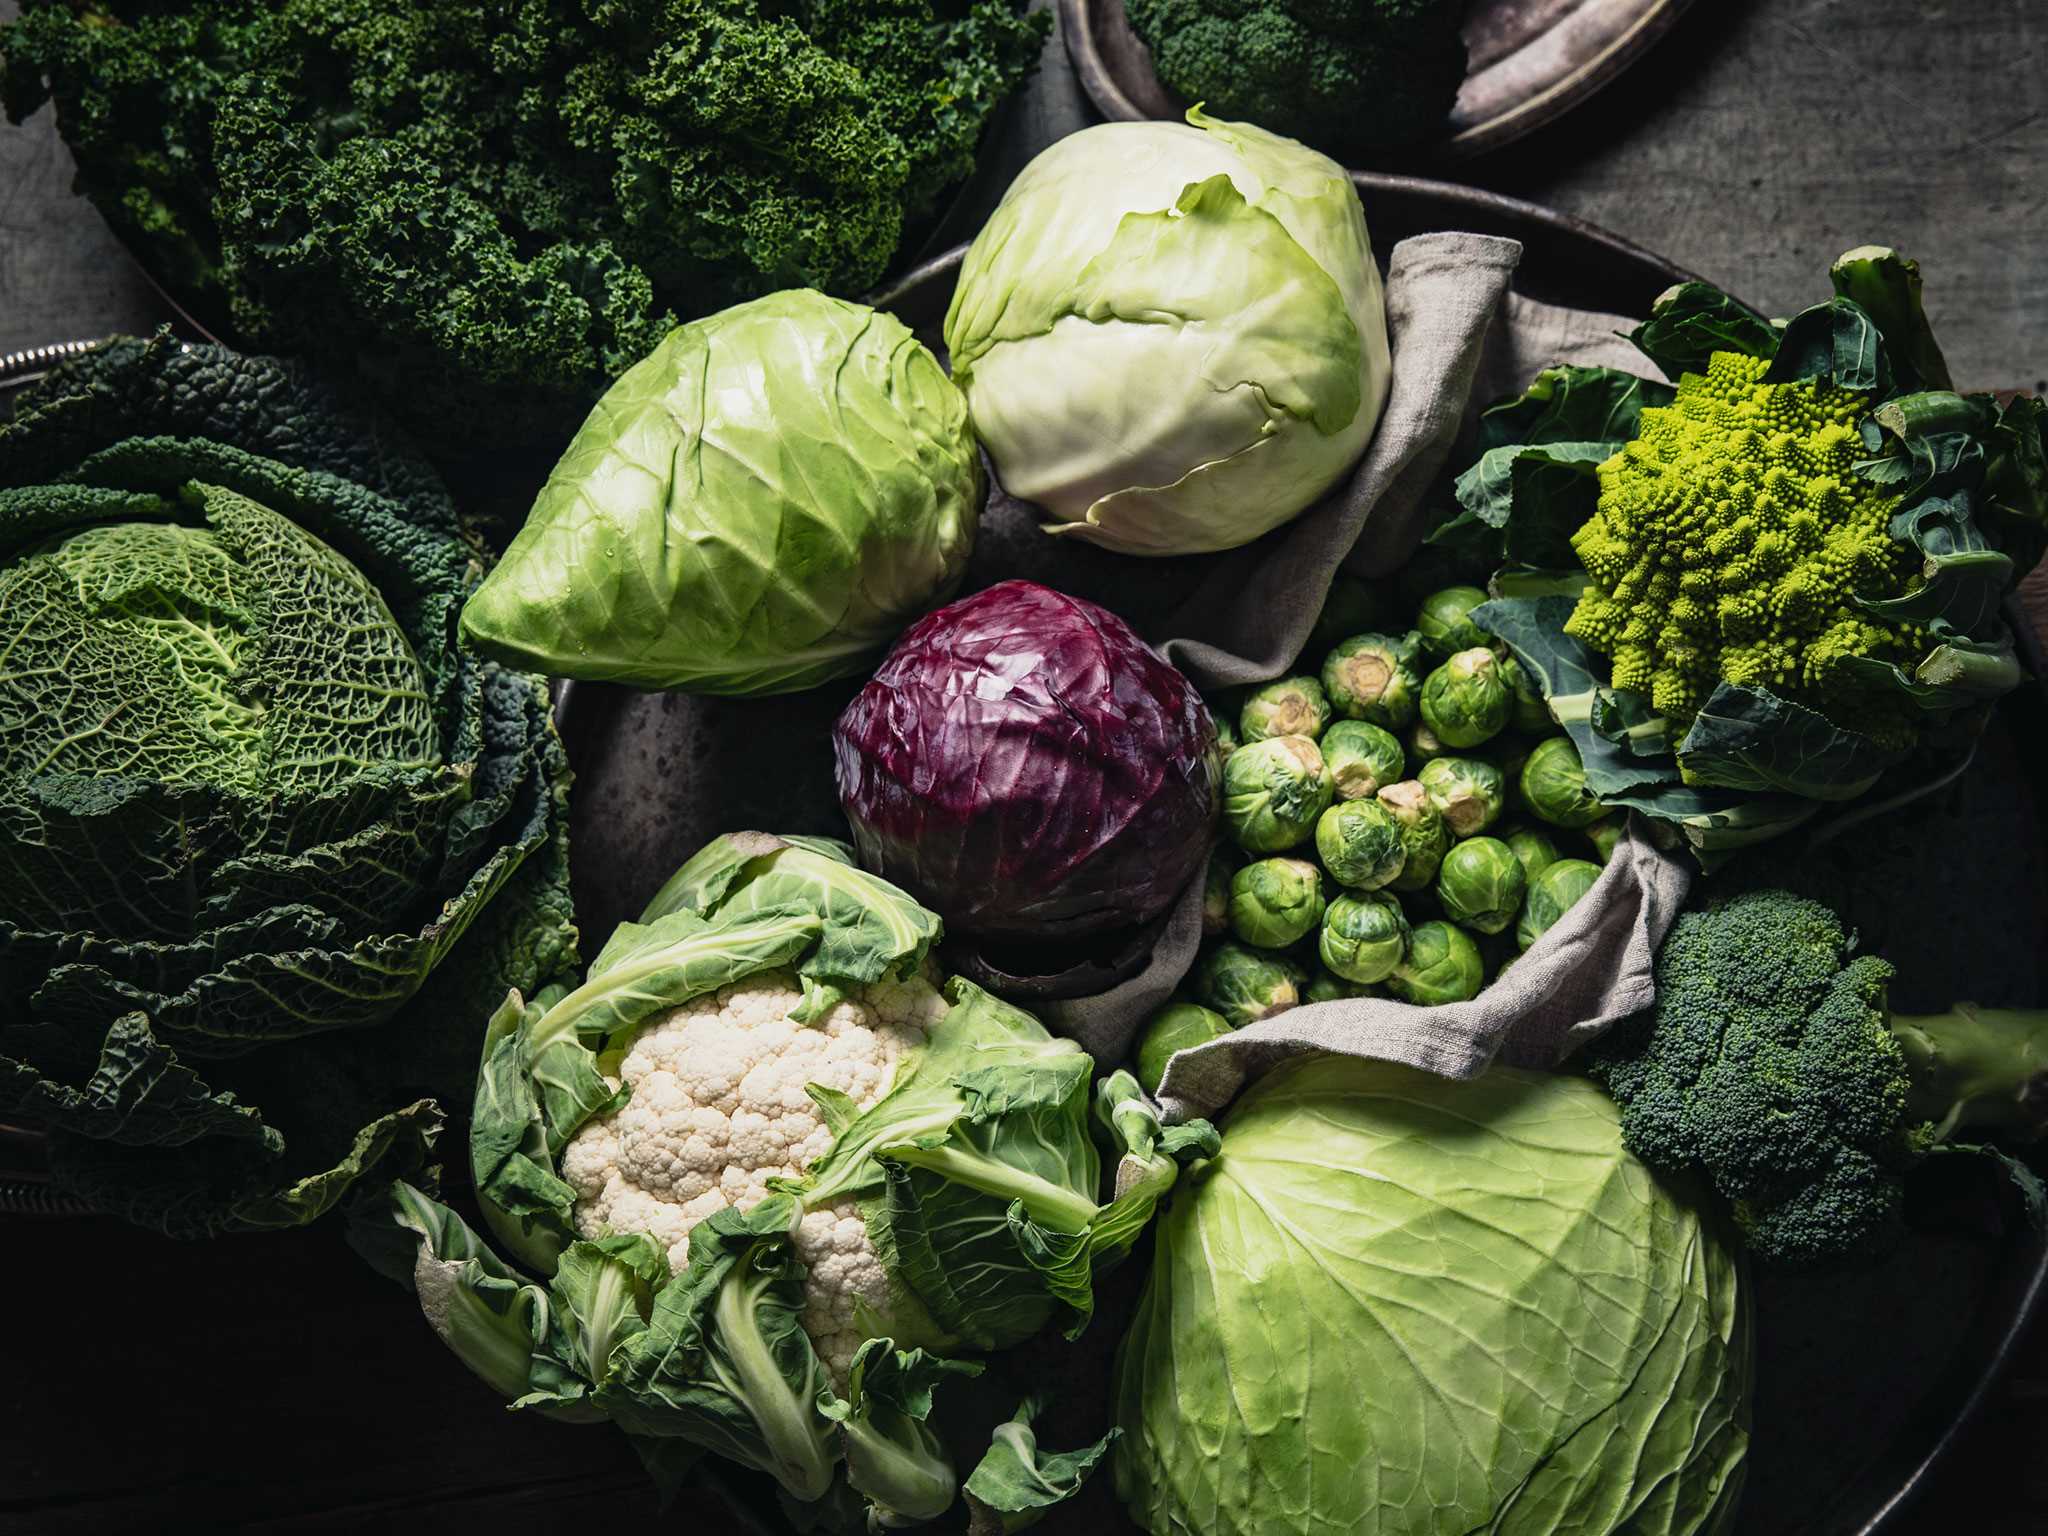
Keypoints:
pixel 1765 137
pixel 61 274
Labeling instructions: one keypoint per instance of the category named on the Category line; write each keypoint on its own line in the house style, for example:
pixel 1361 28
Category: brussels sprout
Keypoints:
pixel 1226 732
pixel 1606 832
pixel 1554 785
pixel 1375 677
pixel 1445 621
pixel 1423 745
pixel 1362 756
pixel 1468 792
pixel 1422 829
pixel 1353 606
pixel 1526 709
pixel 1361 843
pixel 1273 902
pixel 1465 701
pixel 1223 863
pixel 1245 985
pixel 1294 706
pixel 1326 986
pixel 1480 884
pixel 1443 965
pixel 1534 849
pixel 1508 754
pixel 1551 895
pixel 1273 791
pixel 1364 937
pixel 1176 1027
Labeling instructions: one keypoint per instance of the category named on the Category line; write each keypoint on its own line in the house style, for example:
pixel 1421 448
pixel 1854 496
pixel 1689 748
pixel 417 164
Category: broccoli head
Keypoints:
pixel 1771 1064
pixel 1735 541
pixel 1351 77
pixel 493 209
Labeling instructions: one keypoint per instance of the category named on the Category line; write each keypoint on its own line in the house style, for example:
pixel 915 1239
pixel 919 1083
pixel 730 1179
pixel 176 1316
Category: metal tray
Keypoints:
pixel 1846 1433
pixel 1531 61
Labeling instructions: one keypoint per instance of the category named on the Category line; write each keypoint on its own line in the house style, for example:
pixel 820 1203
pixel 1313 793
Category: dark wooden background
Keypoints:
pixel 1764 137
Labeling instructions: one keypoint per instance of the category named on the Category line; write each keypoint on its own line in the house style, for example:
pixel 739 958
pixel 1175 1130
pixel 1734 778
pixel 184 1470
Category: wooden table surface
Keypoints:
pixel 1764 137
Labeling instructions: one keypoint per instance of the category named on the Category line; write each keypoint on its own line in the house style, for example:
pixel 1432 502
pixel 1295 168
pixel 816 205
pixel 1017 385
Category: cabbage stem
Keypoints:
pixel 1049 1204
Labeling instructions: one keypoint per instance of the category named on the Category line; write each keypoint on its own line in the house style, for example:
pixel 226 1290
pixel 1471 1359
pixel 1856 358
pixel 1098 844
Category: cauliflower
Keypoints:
pixel 718 1109
pixel 1732 540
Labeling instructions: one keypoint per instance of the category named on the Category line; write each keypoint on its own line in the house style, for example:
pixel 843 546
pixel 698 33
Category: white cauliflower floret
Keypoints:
pixel 718 1108
pixel 842 1271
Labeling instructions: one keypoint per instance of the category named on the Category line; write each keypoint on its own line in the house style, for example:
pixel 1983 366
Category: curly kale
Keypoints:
pixel 1772 1065
pixel 1355 78
pixel 493 209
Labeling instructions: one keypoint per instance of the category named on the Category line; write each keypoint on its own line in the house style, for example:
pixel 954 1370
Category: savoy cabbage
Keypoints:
pixel 270 841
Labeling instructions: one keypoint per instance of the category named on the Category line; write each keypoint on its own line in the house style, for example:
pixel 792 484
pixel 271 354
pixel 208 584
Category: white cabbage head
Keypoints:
pixel 1172 336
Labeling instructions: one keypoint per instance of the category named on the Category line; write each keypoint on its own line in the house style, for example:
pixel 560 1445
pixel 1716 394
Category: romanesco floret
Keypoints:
pixel 1732 539
pixel 719 1108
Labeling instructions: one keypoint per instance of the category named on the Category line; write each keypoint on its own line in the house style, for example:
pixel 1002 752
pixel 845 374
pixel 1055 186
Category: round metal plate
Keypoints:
pixel 660 773
pixel 1531 61
pixel 1845 1433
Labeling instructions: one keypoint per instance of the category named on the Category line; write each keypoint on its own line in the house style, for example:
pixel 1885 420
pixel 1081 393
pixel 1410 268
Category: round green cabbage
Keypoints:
pixel 1402 1304
pixel 1172 335
pixel 757 506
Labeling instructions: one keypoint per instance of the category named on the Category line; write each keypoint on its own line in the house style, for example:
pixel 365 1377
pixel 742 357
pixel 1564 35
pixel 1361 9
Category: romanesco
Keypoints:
pixel 1732 540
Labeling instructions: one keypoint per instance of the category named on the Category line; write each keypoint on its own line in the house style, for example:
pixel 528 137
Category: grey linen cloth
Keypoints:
pixel 1459 339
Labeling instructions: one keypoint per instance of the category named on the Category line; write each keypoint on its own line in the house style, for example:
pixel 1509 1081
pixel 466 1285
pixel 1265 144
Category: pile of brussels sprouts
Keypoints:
pixel 1402 824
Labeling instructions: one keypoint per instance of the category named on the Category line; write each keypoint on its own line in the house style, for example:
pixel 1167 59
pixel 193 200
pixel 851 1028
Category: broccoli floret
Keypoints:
pixel 1732 542
pixel 1772 1065
pixel 492 209
pixel 1353 79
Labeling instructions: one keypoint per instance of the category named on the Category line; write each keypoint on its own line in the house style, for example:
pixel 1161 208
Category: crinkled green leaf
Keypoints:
pixel 1886 287
pixel 871 929
pixel 1017 1483
pixel 139 1094
pixel 211 1185
pixel 1691 322
pixel 280 410
pixel 894 1459
pixel 724 1361
pixel 648 968
pixel 600 1295
pixel 1833 343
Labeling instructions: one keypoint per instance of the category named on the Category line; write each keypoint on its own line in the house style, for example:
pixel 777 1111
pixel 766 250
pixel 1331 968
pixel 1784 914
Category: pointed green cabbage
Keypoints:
pixel 758 505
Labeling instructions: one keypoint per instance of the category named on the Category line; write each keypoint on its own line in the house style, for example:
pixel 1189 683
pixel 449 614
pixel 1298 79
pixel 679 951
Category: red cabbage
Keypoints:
pixel 1029 768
